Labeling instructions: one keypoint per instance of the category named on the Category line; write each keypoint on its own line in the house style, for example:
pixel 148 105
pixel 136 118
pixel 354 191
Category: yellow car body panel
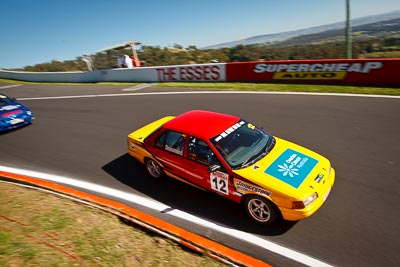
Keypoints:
pixel 288 182
pixel 136 138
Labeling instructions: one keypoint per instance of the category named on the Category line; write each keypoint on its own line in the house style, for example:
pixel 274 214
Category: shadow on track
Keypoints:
pixel 4 132
pixel 181 196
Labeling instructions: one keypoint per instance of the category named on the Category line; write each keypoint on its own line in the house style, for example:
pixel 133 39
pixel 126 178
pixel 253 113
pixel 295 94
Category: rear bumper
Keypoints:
pixel 137 150
pixel 298 214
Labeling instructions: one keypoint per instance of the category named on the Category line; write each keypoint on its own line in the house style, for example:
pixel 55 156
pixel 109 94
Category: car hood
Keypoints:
pixel 12 108
pixel 289 168
pixel 142 133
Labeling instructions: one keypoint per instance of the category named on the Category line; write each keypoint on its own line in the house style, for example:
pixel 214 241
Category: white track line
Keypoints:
pixel 138 87
pixel 9 86
pixel 162 208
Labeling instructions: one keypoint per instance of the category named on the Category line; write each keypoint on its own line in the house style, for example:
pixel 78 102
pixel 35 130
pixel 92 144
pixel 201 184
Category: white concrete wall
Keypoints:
pixel 187 73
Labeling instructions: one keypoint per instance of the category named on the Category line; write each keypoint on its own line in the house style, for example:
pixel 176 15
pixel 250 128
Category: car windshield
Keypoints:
pixel 4 100
pixel 243 144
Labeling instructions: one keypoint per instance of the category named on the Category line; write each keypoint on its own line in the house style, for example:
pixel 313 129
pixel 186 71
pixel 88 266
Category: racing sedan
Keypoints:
pixel 13 114
pixel 271 177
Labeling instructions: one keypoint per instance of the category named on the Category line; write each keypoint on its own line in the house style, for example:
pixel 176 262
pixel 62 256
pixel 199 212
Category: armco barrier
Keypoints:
pixel 373 72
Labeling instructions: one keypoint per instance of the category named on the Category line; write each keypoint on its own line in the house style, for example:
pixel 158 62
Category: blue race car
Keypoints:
pixel 13 114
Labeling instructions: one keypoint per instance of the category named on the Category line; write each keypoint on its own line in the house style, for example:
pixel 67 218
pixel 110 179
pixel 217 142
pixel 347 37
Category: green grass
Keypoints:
pixel 40 229
pixel 11 244
pixel 383 54
pixel 54 219
pixel 288 88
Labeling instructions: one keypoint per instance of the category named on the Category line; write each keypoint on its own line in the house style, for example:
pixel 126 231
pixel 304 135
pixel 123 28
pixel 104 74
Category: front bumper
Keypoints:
pixel 323 192
pixel 8 123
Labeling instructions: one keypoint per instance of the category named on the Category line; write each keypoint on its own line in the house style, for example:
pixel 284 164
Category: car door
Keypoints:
pixel 200 158
pixel 169 149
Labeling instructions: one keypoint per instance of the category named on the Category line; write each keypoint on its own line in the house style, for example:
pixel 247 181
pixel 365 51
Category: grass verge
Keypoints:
pixel 41 229
pixel 274 87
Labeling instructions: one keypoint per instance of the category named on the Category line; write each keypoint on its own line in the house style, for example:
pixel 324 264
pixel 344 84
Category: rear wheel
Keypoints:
pixel 154 169
pixel 261 209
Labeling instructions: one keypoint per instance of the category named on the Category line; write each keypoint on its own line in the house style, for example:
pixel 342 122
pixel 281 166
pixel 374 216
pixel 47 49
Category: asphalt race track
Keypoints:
pixel 83 136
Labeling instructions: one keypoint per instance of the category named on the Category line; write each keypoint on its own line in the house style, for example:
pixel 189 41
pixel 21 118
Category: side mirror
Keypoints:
pixel 214 168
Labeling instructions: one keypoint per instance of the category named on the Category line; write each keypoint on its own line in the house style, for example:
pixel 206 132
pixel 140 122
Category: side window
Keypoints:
pixel 171 141
pixel 199 151
pixel 160 141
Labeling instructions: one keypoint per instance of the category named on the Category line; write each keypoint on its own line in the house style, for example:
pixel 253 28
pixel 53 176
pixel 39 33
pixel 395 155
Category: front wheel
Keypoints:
pixel 154 169
pixel 261 209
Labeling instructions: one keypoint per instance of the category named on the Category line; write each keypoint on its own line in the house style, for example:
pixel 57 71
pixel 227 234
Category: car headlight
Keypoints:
pixel 29 113
pixel 304 203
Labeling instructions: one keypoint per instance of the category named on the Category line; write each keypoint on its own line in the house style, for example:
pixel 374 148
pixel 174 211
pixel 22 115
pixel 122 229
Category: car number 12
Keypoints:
pixel 219 182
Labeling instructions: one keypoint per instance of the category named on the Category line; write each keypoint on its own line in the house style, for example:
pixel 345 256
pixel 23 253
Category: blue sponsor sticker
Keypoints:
pixel 291 167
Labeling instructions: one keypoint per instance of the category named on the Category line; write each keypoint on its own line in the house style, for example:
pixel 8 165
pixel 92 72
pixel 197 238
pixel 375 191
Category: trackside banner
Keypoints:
pixel 376 72
pixel 191 73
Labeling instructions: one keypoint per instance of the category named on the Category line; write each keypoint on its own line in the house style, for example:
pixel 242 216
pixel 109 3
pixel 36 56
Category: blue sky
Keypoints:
pixel 39 31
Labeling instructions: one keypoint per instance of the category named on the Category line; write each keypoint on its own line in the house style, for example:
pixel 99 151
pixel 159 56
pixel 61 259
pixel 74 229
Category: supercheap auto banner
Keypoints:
pixel 382 72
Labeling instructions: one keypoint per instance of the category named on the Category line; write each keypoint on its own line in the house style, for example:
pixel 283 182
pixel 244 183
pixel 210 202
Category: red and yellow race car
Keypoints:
pixel 230 156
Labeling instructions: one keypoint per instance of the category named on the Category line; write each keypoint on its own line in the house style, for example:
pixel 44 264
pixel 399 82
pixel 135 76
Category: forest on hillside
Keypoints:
pixel 388 46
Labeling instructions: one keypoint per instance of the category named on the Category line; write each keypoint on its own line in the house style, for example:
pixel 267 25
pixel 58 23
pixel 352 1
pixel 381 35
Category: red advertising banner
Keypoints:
pixel 374 72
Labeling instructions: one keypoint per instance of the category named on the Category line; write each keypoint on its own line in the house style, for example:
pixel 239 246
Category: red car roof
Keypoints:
pixel 202 124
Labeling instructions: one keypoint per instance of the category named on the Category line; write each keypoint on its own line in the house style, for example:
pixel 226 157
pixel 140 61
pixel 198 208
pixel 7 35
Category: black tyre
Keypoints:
pixel 261 210
pixel 154 169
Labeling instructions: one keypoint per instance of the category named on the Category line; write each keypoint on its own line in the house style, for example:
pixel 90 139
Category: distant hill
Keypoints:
pixel 364 32
pixel 335 28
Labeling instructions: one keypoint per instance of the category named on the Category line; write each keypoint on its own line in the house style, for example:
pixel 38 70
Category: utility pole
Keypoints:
pixel 348 30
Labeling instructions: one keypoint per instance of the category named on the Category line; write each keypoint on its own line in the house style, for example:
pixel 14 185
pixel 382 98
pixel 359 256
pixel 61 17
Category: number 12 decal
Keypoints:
pixel 219 182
